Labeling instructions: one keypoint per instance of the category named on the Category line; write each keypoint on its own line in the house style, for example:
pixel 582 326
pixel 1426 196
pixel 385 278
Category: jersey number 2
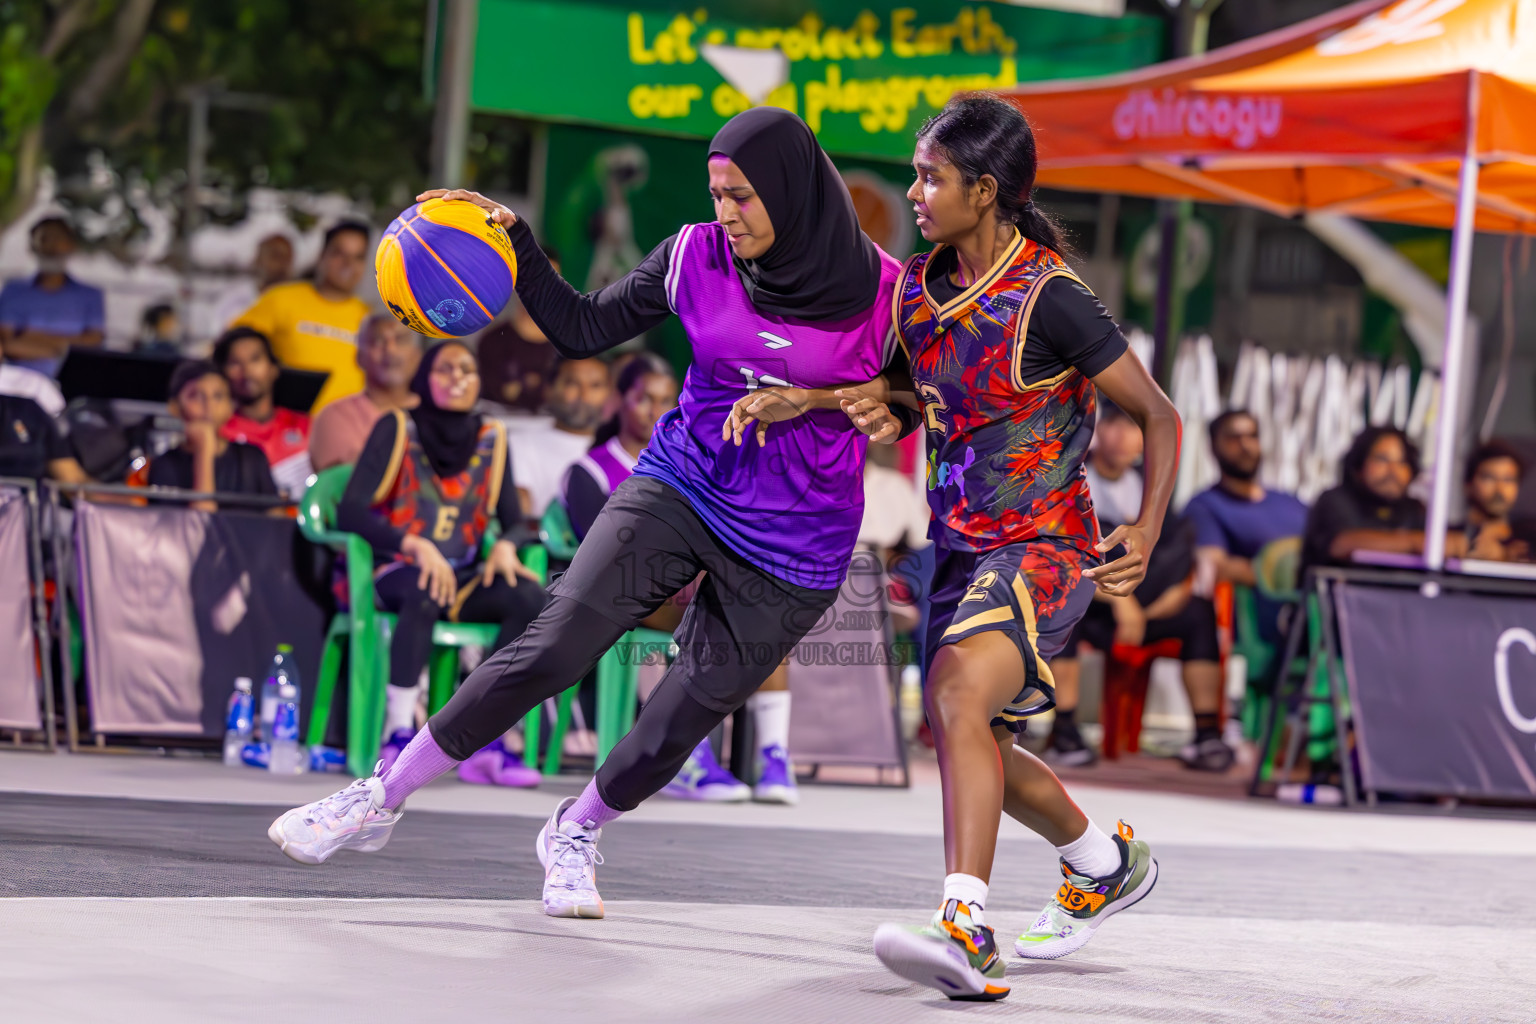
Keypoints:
pixel 933 404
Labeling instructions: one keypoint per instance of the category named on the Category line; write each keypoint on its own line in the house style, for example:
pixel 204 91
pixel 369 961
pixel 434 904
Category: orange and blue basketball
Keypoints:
pixel 444 270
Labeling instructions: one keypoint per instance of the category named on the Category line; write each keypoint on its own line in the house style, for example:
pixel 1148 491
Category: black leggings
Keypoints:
pixel 513 607
pixel 646 545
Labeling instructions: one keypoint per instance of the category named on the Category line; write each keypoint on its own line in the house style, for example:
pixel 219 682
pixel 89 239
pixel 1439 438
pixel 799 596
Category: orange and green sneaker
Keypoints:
pixel 1083 903
pixel 952 953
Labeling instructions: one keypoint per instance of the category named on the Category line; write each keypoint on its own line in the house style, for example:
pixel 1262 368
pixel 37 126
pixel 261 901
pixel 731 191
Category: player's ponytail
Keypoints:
pixel 982 134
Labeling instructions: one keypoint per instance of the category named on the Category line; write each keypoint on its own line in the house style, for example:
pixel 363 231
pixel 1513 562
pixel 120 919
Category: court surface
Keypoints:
pixel 145 889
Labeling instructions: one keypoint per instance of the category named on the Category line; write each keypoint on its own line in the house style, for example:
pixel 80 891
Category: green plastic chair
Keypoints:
pixel 618 671
pixel 1276 568
pixel 361 628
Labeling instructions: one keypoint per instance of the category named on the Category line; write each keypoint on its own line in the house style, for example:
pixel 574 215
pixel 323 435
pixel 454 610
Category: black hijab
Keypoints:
pixel 449 438
pixel 821 265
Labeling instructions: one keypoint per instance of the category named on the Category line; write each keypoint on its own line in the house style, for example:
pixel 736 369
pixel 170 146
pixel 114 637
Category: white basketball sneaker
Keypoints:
pixel 568 852
pixel 353 819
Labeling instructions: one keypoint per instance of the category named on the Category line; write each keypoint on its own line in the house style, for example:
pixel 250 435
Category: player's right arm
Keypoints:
pixel 578 325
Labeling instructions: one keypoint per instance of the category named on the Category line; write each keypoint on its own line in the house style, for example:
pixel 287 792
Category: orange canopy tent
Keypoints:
pixel 1366 111
pixel 1417 111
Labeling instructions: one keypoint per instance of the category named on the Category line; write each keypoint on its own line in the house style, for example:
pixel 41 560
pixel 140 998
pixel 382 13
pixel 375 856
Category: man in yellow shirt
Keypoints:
pixel 313 324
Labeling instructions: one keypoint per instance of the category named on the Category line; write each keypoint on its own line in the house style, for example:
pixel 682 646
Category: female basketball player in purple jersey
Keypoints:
pixel 783 289
pixel 1006 348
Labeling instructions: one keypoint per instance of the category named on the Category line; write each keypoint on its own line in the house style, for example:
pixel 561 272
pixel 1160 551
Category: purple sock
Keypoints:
pixel 418 764
pixel 589 809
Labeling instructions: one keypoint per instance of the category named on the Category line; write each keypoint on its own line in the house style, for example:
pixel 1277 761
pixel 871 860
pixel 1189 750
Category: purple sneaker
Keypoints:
pixel 495 765
pixel 702 778
pixel 392 748
pixel 775 778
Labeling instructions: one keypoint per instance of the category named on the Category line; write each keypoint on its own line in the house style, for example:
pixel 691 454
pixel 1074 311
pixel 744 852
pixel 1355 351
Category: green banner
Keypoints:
pixel 863 76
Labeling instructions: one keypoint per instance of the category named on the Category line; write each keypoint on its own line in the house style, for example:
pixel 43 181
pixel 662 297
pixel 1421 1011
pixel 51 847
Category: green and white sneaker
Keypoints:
pixel 1082 903
pixel 952 954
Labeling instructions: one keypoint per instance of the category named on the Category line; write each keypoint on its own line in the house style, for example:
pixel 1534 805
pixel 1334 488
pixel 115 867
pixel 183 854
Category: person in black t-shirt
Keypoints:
pixel 1492 484
pixel 200 398
pixel 1371 509
pixel 31 445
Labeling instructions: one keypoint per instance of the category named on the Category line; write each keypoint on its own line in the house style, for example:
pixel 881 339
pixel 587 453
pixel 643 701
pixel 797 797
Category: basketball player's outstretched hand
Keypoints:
pixel 498 213
pixel 762 406
pixel 871 416
pixel 1121 577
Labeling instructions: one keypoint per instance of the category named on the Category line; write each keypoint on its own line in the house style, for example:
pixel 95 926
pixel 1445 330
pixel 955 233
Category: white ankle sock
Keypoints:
pixel 967 889
pixel 1093 853
pixel 399 709
pixel 770 718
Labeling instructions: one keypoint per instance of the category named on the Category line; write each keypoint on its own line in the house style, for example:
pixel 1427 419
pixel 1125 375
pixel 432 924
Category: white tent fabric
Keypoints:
pixel 1309 410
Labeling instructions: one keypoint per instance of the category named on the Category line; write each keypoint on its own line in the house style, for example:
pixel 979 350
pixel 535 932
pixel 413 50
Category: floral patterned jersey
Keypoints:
pixel 1005 448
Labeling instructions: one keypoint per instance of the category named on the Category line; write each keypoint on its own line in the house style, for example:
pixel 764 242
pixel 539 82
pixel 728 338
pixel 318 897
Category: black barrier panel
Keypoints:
pixel 177 603
pixel 1443 691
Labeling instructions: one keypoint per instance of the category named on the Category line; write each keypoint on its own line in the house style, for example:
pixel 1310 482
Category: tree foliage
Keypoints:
pixel 96 81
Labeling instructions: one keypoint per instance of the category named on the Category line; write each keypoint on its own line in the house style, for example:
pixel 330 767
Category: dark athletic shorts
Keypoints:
pixel 742 622
pixel 1034 591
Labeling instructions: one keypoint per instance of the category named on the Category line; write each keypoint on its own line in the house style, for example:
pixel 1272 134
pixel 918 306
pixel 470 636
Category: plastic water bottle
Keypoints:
pixel 237 722
pixel 287 757
pixel 1309 793
pixel 282 671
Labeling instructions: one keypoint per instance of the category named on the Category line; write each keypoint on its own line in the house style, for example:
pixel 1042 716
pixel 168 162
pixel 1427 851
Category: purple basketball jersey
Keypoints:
pixel 609 464
pixel 793 506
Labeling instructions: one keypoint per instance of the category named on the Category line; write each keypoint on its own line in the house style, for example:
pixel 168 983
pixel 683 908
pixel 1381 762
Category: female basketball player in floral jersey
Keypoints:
pixel 1006 347
pixel 782 289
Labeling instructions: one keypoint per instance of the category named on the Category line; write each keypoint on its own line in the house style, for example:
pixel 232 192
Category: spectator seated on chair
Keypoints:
pixel 244 356
pixel 1239 517
pixel 313 323
pixel 31 445
pixel 1371 510
pixel 1163 608
pixel 32 441
pixel 388 353
pixel 1492 485
pixel 43 317
pixel 427 487
pixel 577 396
pixel 273 265
pixel 160 331
pixel 205 461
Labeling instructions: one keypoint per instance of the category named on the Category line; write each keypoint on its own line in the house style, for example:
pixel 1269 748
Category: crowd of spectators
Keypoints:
pixel 575 428
pixel 1242 534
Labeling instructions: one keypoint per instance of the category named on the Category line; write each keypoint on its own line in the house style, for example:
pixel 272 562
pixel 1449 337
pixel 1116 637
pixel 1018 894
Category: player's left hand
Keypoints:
pixel 1121 577
pixel 498 213
pixel 871 416
pixel 762 406
pixel 505 563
